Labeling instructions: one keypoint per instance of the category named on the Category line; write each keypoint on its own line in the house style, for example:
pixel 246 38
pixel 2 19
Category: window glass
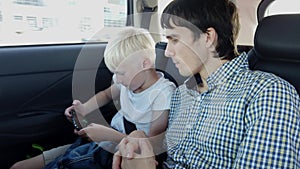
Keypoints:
pixel 27 22
pixel 161 6
pixel 283 7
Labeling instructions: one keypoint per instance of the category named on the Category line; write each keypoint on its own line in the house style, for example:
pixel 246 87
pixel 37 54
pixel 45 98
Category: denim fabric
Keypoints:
pixel 82 155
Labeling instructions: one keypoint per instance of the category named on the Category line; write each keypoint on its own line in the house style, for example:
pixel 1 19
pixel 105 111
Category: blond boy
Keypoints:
pixel 144 96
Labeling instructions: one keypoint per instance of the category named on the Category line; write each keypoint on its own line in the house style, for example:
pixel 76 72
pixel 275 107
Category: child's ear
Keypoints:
pixel 147 63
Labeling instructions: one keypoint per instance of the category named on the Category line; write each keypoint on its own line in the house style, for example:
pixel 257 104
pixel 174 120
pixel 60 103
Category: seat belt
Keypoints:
pixel 146 17
pixel 129 126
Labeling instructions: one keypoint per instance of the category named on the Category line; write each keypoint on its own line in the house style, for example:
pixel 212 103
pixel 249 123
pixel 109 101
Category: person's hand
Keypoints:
pixel 83 135
pixel 126 148
pixel 144 159
pixel 130 145
pixel 135 151
pixel 68 112
pixel 78 107
pixel 96 132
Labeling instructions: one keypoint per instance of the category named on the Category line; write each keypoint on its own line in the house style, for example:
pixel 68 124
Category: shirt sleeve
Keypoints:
pixel 272 130
pixel 163 99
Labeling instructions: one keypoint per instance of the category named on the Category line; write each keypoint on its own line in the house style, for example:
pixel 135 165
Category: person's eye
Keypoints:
pixel 174 41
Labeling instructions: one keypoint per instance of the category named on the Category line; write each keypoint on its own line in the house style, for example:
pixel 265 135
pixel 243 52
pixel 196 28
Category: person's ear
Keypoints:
pixel 211 38
pixel 147 63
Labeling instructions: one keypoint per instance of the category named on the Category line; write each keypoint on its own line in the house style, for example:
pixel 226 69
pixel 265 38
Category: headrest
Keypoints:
pixel 277 37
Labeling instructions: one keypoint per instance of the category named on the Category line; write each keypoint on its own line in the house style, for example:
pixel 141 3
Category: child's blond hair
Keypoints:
pixel 127 42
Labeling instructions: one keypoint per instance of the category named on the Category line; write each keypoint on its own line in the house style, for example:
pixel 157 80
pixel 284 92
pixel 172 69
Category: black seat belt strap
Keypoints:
pixel 129 126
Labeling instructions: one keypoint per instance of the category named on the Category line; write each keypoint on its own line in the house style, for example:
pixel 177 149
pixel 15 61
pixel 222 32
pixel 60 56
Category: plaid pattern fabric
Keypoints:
pixel 246 119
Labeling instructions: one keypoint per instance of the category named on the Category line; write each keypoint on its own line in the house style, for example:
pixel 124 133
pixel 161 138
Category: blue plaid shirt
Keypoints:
pixel 246 119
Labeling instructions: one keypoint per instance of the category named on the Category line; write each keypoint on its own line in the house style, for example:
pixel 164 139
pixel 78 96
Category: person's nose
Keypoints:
pixel 169 52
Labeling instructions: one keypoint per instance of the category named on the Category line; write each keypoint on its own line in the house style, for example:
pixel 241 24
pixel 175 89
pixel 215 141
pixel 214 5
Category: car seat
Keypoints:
pixel 277 47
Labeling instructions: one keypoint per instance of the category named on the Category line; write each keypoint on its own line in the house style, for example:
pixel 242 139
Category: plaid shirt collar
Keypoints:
pixel 220 75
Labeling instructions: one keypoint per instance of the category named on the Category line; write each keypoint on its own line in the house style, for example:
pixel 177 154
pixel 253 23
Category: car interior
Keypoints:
pixel 275 51
pixel 38 82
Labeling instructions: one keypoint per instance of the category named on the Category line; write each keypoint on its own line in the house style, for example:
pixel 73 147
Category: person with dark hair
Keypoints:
pixel 225 115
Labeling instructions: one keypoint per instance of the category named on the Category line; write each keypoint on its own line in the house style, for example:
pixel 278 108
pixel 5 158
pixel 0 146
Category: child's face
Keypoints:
pixel 130 73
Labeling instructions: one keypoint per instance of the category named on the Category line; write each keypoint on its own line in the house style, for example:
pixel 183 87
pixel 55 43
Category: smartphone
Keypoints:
pixel 75 120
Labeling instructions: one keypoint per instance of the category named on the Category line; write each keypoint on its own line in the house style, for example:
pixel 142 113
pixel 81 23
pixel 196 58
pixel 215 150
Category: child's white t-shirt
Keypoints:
pixel 137 107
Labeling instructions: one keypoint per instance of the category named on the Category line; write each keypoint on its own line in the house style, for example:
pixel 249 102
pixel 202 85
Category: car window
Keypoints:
pixel 27 22
pixel 282 7
pixel 248 21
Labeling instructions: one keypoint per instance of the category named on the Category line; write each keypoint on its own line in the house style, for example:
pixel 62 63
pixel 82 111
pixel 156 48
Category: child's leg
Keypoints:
pixel 52 154
pixel 38 162
pixel 88 156
pixel 104 158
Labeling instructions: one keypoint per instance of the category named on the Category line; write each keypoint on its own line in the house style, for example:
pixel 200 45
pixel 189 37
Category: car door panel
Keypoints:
pixel 35 88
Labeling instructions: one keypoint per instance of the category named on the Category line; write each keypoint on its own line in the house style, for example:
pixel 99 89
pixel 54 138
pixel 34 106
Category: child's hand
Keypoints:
pixel 79 107
pixel 68 112
pixel 83 135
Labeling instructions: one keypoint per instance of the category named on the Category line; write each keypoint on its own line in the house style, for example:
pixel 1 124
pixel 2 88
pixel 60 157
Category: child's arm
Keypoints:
pixel 157 130
pixel 97 132
pixel 159 122
pixel 99 100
